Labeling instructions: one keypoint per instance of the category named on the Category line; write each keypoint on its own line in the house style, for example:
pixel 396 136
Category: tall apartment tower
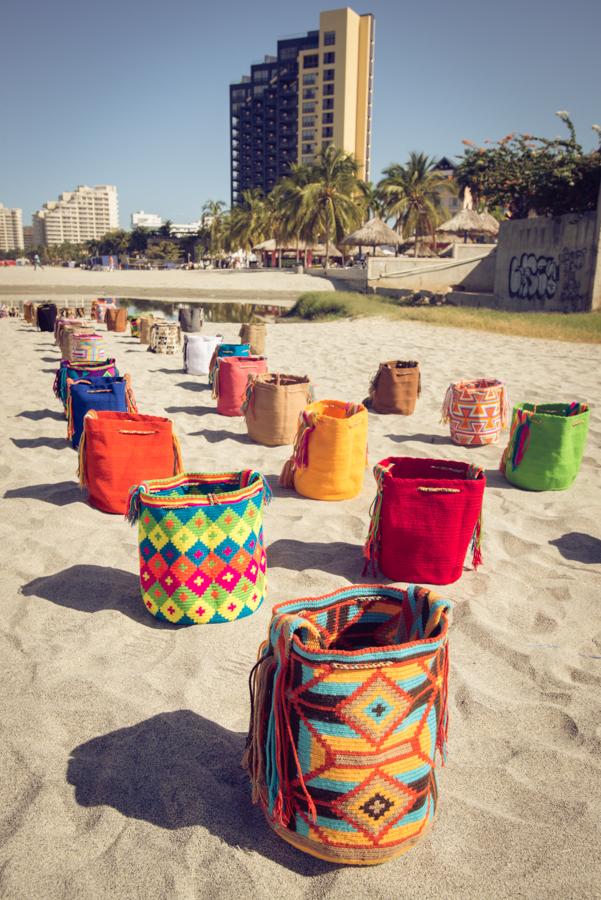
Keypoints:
pixel 85 214
pixel 11 229
pixel 317 91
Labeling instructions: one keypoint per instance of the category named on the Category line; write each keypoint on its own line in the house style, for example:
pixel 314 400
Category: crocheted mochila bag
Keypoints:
pixel 330 451
pixel 395 387
pixel 134 326
pixel 425 514
pixel 254 334
pixel 546 445
pixel 113 394
pixel 165 337
pixel 348 712
pixel 202 554
pixel 76 372
pixel 231 379
pixel 477 411
pixel 226 350
pixel 46 316
pixel 116 318
pixel 272 406
pixel 87 348
pixel 66 335
pixel 118 449
pixel 191 318
pixel 100 306
pixel 198 352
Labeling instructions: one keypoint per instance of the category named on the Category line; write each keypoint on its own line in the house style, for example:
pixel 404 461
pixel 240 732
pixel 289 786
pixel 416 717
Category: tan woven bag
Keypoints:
pixel 395 387
pixel 272 407
pixel 255 336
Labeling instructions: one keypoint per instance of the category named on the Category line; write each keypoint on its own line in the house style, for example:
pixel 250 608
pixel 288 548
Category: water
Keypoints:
pixel 214 312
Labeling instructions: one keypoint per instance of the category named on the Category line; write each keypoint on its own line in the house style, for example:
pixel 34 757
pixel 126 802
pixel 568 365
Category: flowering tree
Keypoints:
pixel 522 173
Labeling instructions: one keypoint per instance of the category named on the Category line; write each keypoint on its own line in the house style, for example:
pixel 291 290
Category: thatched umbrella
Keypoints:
pixel 472 223
pixel 374 233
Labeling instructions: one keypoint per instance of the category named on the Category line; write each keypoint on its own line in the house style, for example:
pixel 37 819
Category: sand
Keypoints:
pixel 55 281
pixel 121 737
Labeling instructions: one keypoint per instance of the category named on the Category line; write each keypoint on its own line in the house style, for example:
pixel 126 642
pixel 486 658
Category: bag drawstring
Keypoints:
pixel 178 462
pixel 129 395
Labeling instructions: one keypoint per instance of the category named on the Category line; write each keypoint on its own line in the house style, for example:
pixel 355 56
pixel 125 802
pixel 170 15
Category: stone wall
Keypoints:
pixel 437 275
pixel 549 264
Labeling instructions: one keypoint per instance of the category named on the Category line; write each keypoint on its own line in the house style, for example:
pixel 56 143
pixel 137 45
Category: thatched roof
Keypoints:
pixel 470 221
pixel 374 233
pixel 271 246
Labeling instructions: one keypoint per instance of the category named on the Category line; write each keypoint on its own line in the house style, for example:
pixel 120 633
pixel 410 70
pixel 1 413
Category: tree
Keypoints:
pixel 287 198
pixel 330 206
pixel 165 229
pixel 522 173
pixel 410 195
pixel 249 222
pixel 214 218
pixel 165 250
pixel 372 199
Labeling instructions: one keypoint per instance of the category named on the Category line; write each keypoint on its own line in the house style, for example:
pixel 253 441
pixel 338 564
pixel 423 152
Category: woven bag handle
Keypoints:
pixel 439 490
pixel 131 431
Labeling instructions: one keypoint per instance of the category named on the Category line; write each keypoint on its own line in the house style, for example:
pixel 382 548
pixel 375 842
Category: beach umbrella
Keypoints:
pixel 374 233
pixel 470 223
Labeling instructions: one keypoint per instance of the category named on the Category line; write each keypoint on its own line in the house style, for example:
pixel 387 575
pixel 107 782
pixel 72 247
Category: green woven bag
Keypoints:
pixel 546 445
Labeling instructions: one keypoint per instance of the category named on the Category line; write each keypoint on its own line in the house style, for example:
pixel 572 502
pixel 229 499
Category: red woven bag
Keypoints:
pixel 231 379
pixel 423 518
pixel 120 449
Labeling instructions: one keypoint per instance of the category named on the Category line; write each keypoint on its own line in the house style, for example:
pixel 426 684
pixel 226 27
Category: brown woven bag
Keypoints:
pixel 146 323
pixel 255 336
pixel 395 387
pixel 116 318
pixel 272 407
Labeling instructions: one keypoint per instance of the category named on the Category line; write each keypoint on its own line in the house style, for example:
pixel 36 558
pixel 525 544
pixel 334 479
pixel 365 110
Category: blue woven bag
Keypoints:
pixel 112 394
pixel 77 371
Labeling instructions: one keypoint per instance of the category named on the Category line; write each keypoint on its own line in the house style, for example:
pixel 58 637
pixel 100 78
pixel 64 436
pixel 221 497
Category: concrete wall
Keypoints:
pixel 438 275
pixel 549 264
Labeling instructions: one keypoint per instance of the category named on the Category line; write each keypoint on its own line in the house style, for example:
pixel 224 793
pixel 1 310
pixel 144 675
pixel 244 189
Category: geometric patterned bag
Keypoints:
pixel 476 410
pixel 202 553
pixel 75 372
pixel 546 445
pixel 348 712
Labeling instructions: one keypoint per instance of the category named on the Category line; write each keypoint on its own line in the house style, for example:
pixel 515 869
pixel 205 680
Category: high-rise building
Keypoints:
pixel 85 214
pixel 317 91
pixel 11 229
pixel 143 219
pixel 28 238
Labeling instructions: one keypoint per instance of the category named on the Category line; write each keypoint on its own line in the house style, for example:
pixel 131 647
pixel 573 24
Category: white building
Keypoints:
pixel 182 229
pixel 141 219
pixel 85 214
pixel 11 229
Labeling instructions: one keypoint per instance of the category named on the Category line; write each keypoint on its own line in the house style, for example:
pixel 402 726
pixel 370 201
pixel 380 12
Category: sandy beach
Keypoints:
pixel 55 281
pixel 121 737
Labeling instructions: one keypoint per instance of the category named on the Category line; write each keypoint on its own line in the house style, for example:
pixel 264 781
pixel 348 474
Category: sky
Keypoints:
pixel 136 93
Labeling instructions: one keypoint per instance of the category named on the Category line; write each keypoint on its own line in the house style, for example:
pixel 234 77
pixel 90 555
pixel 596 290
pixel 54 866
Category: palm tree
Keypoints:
pixel 249 220
pixel 165 229
pixel 287 199
pixel 213 216
pixel 411 195
pixel 330 206
pixel 372 199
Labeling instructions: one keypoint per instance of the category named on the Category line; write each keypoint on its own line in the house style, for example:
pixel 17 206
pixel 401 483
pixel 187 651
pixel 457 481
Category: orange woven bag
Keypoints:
pixel 120 449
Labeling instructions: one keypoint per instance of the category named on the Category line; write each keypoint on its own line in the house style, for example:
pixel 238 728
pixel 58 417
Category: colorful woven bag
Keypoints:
pixel 46 316
pixel 100 306
pixel 114 394
pixel 88 347
pixel 198 352
pixel 202 554
pixel 226 350
pixel 254 334
pixel 134 326
pixel 68 333
pixel 116 318
pixel 546 445
pixel 272 406
pixel 395 387
pixel 76 372
pixel 330 451
pixel 476 410
pixel 424 516
pixel 348 712
pixel 119 449
pixel 231 379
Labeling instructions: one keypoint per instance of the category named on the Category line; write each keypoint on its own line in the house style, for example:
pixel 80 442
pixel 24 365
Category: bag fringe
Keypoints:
pixel 445 412
pixel 178 462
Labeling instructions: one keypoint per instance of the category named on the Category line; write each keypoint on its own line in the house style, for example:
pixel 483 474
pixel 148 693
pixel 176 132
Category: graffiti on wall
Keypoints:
pixel 572 298
pixel 533 277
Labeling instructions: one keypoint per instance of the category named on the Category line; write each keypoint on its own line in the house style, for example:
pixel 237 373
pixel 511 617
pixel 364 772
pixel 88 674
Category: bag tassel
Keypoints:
pixel 371 548
pixel 445 412
pixel 133 503
pixel 215 391
pixel 443 723
pixel 129 395
pixel 477 543
pixel 521 438
pixel 300 452
pixel 56 387
pixel 81 452
pixel 249 393
pixel 178 462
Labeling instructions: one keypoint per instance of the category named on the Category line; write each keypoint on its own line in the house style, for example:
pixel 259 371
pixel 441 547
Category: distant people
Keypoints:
pixel 37 262
pixel 111 264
